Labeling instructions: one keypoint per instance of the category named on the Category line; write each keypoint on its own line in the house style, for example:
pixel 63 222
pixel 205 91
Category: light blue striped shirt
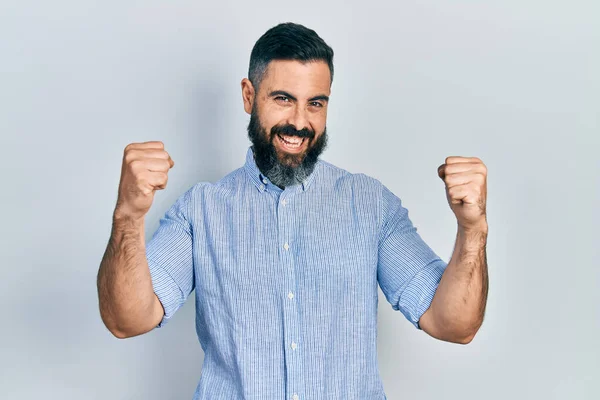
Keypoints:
pixel 286 280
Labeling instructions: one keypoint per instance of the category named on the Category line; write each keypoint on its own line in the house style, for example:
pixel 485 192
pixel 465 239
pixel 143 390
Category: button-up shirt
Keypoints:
pixel 286 280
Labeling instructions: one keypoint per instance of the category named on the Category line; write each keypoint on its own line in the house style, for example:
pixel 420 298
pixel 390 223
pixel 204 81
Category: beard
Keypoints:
pixel 284 169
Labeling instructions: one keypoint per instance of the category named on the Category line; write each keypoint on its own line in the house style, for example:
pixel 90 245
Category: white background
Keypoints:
pixel 515 83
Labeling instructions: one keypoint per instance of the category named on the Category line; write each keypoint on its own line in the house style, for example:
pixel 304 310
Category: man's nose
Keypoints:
pixel 299 119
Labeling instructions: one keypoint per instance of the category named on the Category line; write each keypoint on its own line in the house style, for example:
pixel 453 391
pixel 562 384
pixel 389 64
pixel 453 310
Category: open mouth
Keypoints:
pixel 291 142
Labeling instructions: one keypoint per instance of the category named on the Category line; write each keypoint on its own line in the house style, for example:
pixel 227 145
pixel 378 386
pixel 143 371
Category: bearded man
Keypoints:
pixel 286 253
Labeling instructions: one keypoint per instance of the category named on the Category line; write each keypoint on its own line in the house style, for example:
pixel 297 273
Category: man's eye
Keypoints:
pixel 282 98
pixel 316 104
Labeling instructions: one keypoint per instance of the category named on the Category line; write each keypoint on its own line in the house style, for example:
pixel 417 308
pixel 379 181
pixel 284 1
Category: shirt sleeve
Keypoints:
pixel 408 270
pixel 169 255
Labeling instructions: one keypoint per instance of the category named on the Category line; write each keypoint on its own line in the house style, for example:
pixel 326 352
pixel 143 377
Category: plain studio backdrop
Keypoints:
pixel 515 83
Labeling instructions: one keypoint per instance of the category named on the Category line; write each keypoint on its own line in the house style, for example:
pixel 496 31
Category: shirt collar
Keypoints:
pixel 263 183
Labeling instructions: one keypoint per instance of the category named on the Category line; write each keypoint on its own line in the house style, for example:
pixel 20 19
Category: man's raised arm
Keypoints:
pixel 128 304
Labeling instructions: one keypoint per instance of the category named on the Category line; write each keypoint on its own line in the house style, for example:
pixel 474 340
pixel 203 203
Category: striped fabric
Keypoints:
pixel 286 280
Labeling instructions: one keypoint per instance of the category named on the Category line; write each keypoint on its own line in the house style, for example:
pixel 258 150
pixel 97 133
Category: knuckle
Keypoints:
pixel 129 156
pixel 135 165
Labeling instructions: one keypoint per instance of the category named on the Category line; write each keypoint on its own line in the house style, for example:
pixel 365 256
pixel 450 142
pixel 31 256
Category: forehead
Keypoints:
pixel 297 77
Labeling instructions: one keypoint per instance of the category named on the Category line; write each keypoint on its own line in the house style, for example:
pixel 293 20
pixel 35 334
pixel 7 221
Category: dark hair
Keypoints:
pixel 287 41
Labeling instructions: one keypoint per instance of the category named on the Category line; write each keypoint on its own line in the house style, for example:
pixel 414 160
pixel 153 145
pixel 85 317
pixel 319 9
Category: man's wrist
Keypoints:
pixel 127 220
pixel 478 228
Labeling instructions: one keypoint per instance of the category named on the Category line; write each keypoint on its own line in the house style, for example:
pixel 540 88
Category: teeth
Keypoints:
pixel 294 142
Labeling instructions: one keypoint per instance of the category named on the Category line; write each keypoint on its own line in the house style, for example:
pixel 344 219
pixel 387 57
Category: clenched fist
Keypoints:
pixel 466 190
pixel 144 170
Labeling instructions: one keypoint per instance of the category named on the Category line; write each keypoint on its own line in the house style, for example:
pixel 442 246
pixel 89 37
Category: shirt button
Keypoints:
pixel 264 181
pixel 286 246
pixel 262 187
pixel 294 345
pixel 290 295
pixel 284 202
pixel 295 397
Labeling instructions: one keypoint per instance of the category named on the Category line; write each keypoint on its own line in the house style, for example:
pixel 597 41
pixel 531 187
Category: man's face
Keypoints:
pixel 288 118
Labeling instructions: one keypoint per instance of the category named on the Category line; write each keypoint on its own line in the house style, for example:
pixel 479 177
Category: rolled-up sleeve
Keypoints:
pixel 408 270
pixel 169 255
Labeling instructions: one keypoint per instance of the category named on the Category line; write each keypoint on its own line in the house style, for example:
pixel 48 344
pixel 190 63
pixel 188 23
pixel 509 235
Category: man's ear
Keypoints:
pixel 248 95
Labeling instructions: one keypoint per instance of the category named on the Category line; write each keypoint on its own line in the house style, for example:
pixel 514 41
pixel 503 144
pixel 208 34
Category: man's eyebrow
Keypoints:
pixel 319 97
pixel 281 93
pixel 286 94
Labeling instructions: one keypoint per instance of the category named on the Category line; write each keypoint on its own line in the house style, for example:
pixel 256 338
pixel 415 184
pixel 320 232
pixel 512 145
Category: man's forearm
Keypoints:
pixel 459 303
pixel 126 296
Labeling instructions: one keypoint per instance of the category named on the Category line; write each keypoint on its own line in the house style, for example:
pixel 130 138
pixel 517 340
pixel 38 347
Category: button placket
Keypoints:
pixel 294 376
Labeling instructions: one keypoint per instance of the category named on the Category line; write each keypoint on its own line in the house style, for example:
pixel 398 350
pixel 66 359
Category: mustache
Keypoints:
pixel 290 130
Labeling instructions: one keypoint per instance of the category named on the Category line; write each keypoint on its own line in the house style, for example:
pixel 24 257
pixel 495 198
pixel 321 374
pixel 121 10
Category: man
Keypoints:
pixel 286 253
